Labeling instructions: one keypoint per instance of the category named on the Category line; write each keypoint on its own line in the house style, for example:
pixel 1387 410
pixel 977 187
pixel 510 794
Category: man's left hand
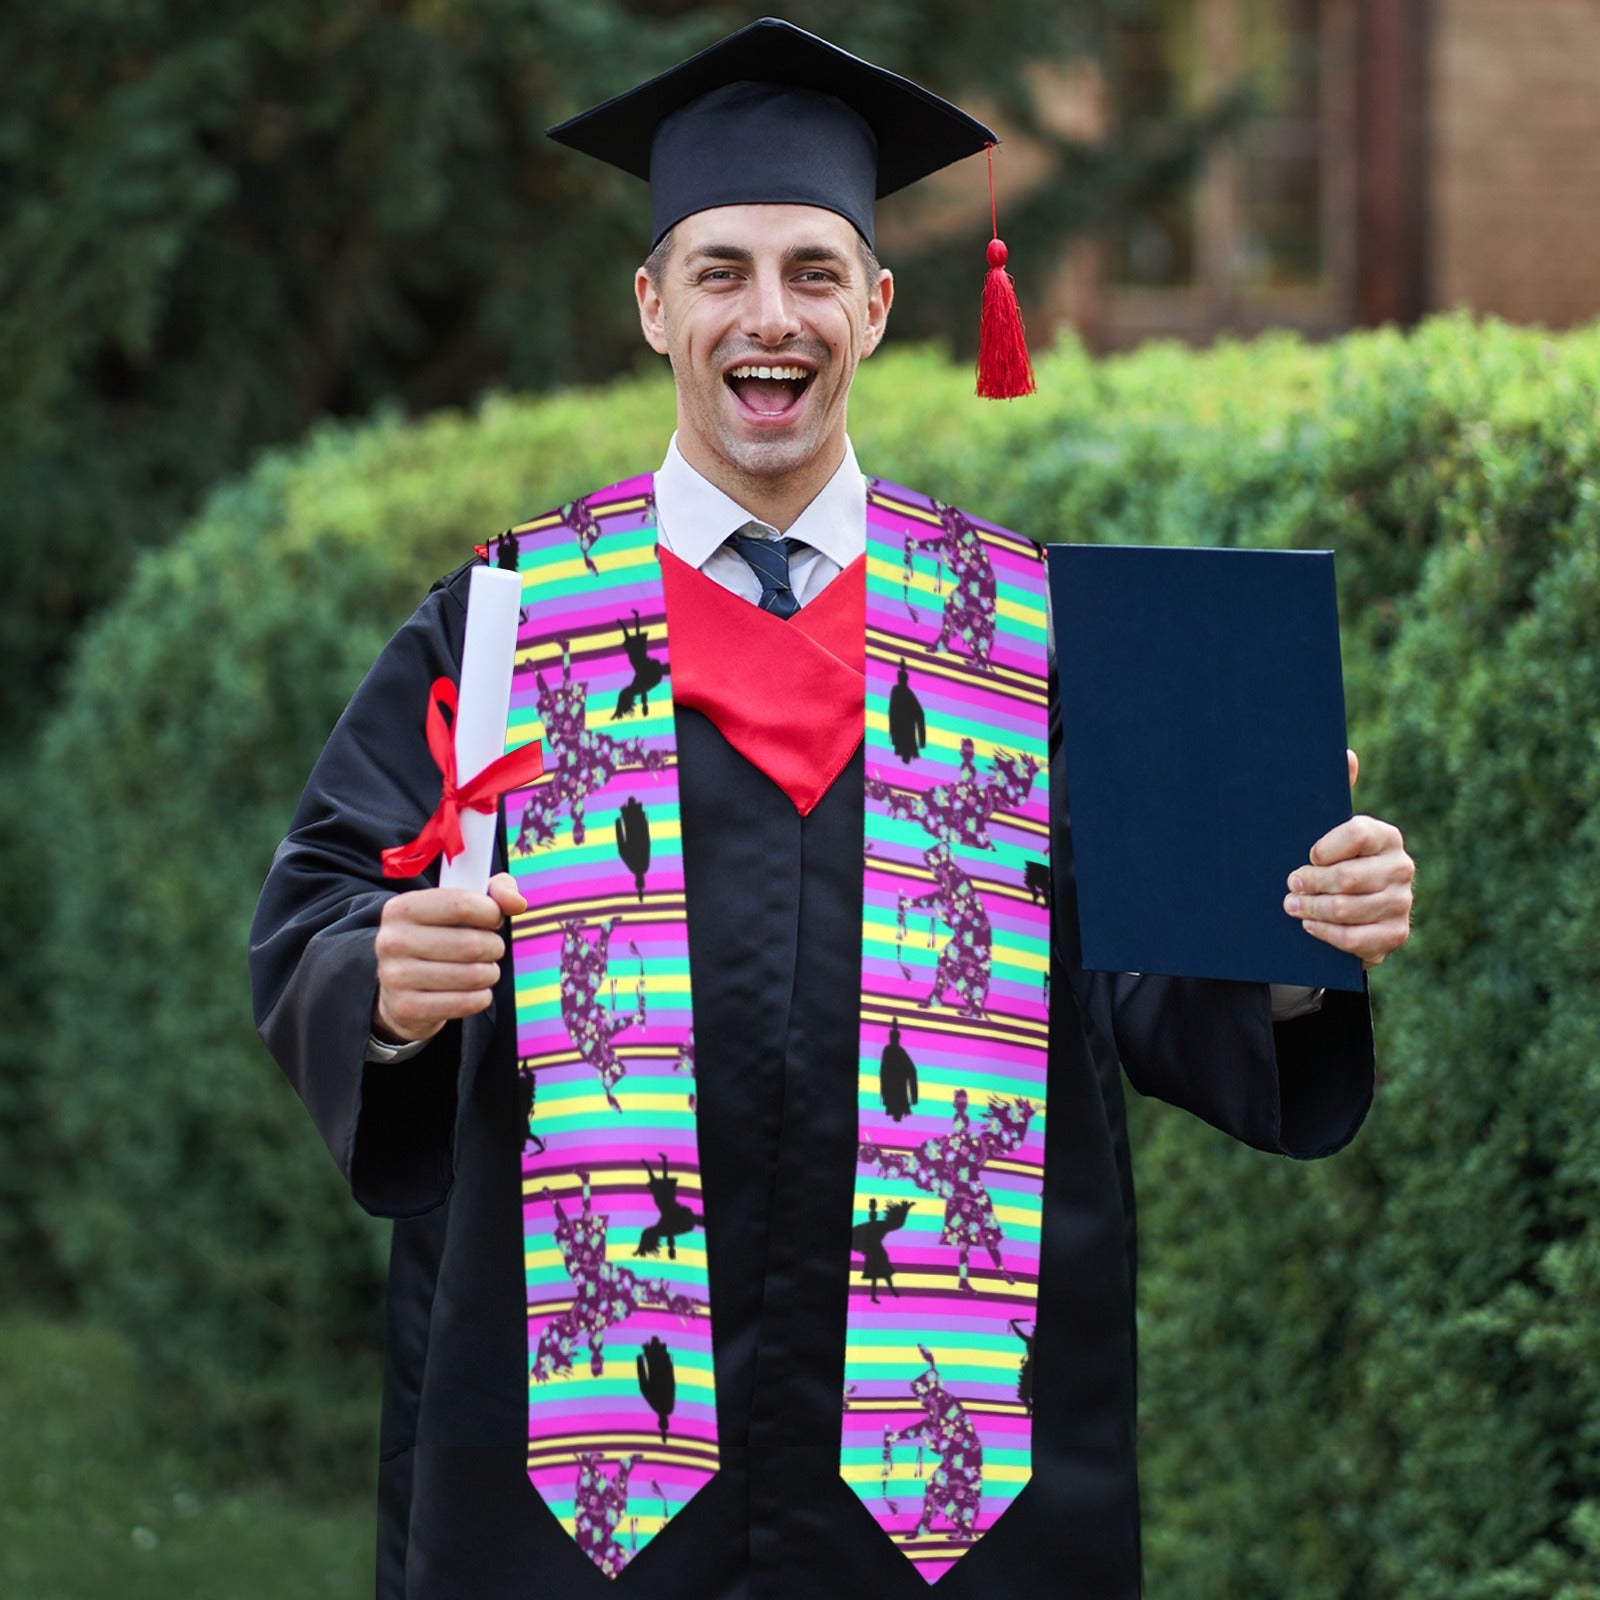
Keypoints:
pixel 1355 892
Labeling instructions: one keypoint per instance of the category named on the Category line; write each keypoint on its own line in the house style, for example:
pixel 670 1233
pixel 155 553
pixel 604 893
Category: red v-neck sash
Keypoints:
pixel 787 695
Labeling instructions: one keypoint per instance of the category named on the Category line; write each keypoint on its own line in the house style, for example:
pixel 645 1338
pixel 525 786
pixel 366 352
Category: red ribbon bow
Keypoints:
pixel 442 831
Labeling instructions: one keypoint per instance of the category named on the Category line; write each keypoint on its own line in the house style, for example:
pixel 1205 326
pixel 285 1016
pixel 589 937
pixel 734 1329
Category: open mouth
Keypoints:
pixel 769 391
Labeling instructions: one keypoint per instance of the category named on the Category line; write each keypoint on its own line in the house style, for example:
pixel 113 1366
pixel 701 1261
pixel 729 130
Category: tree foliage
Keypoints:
pixel 218 224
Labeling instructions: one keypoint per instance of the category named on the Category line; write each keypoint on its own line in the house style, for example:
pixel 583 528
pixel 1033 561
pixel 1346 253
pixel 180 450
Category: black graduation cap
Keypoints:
pixel 774 115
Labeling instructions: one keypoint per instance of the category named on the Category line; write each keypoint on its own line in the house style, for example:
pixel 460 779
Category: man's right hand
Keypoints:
pixel 439 953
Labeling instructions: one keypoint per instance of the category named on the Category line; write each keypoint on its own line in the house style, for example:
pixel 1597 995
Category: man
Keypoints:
pixel 515 1294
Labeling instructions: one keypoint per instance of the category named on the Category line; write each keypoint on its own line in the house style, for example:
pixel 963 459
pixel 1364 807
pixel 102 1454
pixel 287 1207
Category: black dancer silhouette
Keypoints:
pixel 647 671
pixel 633 842
pixel 675 1216
pixel 658 1383
pixel 505 551
pixel 908 728
pixel 1025 1371
pixel 897 1076
pixel 866 1240
pixel 1036 880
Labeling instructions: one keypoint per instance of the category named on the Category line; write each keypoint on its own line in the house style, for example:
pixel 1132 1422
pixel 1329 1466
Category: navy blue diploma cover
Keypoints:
pixel 1202 710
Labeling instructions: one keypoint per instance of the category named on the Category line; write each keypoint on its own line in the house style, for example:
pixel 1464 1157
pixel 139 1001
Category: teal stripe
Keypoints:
pixel 688 1360
pixel 911 835
pixel 930 1220
pixel 1009 629
pixel 953 1374
pixel 993 1455
pixel 887 1337
pixel 916 954
pixel 643 1501
pixel 679 1273
pixel 603 814
pixel 641 1075
pixel 521 720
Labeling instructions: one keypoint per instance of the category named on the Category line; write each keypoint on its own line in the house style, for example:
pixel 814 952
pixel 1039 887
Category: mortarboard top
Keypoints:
pixel 774 115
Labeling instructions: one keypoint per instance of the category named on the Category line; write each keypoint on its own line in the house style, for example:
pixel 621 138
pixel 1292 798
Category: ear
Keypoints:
pixel 879 299
pixel 652 314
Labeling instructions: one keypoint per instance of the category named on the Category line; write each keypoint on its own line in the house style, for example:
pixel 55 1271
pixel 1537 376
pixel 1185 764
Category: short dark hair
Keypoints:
pixel 655 264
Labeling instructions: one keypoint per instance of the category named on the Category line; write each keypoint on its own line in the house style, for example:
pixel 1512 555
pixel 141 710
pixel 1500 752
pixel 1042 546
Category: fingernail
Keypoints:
pixel 1296 882
pixel 1291 904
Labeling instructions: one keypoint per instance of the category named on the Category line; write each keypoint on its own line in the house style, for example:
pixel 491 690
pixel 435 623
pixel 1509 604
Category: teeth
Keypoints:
pixel 797 374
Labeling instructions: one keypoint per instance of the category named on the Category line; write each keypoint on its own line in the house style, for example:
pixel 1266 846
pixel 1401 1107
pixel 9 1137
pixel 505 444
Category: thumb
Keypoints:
pixel 1354 762
pixel 504 892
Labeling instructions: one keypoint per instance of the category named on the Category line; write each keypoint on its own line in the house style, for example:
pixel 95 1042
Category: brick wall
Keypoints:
pixel 1514 162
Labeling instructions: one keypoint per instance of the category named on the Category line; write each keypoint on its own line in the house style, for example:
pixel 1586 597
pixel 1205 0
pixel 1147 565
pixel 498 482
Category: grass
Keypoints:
pixel 93 1503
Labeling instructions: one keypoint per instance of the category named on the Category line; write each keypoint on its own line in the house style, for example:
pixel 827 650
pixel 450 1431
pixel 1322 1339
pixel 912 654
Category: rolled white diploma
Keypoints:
pixel 494 605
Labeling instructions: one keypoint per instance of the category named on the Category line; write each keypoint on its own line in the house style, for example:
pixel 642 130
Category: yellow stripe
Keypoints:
pixel 988 1408
pixel 607 556
pixel 1031 959
pixel 991 1280
pixel 689 1182
pixel 595 1105
pixel 950 739
pixel 683 1454
pixel 642 1524
pixel 928 587
pixel 867 1355
pixel 891 650
pixel 571 1058
pixel 660 984
pixel 1017 542
pixel 990 886
pixel 1016 1030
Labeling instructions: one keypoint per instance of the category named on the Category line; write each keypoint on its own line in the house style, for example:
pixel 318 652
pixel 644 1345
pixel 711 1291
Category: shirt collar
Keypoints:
pixel 695 517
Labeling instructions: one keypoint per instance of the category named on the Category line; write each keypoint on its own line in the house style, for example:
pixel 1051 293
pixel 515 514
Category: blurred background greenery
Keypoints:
pixel 294 308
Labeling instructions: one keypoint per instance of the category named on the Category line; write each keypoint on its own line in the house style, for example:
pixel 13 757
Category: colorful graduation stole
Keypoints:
pixel 944 1264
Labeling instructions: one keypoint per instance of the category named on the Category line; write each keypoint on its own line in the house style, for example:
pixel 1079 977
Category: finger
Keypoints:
pixel 1354 909
pixel 1357 875
pixel 445 908
pixel 1360 836
pixel 504 892
pixel 426 941
pixel 1353 761
pixel 436 977
pixel 1371 942
pixel 415 1015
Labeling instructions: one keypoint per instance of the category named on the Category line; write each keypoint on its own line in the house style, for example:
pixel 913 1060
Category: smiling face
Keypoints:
pixel 764 311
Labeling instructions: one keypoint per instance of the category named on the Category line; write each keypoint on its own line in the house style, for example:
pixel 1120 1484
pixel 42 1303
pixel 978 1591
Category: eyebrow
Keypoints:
pixel 795 255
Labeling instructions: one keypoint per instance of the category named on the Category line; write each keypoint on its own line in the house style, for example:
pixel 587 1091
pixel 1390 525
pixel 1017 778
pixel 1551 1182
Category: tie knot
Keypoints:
pixel 769 559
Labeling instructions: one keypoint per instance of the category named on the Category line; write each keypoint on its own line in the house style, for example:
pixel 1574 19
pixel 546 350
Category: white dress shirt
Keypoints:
pixel 694 518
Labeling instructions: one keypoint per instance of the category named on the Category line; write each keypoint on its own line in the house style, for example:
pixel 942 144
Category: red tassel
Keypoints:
pixel 1004 370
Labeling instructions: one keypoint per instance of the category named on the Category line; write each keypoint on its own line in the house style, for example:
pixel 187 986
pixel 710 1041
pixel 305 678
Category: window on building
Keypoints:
pixel 1264 235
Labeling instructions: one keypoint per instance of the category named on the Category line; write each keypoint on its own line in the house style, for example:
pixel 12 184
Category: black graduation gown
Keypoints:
pixel 774 944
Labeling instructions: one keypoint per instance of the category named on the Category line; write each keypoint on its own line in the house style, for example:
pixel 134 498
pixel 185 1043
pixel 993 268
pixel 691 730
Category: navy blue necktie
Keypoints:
pixel 769 560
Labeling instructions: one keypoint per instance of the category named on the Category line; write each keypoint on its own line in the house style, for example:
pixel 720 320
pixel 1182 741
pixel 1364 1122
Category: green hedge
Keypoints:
pixel 1371 1378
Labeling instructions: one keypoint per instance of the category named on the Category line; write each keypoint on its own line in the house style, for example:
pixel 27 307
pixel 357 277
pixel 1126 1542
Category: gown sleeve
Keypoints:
pixel 313 966
pixel 1300 1088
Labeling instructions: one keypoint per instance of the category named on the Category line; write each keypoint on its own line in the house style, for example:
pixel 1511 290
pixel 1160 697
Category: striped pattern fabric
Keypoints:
pixel 621 1405
pixel 955 962
pixel 944 1269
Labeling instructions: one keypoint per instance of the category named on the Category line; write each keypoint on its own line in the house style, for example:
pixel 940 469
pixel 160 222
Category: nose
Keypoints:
pixel 771 318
